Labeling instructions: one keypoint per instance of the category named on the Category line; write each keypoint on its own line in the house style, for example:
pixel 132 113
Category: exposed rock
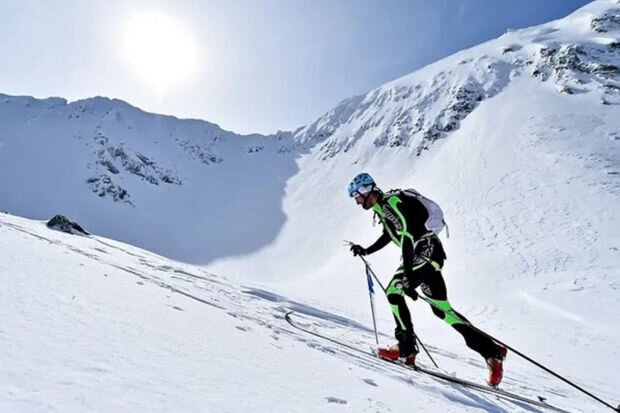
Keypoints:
pixel 62 223
pixel 608 22
pixel 571 65
pixel 255 148
pixel 115 158
pixel 511 48
pixel 102 185
pixel 205 156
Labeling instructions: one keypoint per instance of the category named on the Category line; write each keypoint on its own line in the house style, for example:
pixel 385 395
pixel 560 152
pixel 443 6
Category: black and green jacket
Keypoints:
pixel 404 222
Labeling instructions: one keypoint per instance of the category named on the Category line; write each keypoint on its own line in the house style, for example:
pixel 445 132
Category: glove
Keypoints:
pixel 411 292
pixel 358 250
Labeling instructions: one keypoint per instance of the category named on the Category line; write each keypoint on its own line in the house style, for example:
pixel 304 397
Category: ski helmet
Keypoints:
pixel 361 184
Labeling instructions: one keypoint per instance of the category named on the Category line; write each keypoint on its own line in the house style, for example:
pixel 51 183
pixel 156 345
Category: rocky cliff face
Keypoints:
pixel 578 54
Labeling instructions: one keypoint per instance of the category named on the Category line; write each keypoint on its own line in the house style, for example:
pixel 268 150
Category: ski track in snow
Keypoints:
pixel 258 311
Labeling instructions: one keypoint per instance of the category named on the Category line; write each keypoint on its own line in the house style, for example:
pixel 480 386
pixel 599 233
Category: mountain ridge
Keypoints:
pixel 126 160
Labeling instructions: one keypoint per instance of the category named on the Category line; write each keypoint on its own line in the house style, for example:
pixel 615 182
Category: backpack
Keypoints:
pixel 435 221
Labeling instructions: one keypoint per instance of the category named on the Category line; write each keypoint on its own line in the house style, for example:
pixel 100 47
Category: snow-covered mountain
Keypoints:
pixel 518 139
pixel 156 181
pixel 578 54
pixel 529 120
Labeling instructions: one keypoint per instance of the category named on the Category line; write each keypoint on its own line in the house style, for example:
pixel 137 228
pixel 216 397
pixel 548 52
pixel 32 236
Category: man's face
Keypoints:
pixel 366 201
pixel 359 200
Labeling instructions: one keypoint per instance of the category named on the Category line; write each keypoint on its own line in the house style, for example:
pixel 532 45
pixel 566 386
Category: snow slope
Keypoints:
pixel 155 181
pixel 529 179
pixel 533 255
pixel 518 139
pixel 90 324
pixel 529 182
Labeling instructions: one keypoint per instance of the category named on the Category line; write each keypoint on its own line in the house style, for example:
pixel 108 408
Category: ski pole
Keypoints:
pixel 369 273
pixel 371 293
pixel 617 409
pixel 537 364
pixel 426 351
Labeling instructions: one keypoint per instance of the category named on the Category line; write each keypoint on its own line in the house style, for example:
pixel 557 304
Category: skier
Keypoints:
pixel 408 222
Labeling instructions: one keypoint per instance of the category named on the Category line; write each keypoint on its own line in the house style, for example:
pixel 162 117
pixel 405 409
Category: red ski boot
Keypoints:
pixel 496 368
pixel 393 353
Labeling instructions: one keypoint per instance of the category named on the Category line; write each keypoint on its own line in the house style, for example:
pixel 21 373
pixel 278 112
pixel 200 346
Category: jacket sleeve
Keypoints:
pixel 381 242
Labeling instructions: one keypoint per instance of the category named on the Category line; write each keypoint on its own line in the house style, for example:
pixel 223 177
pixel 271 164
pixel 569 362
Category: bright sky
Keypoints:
pixel 249 66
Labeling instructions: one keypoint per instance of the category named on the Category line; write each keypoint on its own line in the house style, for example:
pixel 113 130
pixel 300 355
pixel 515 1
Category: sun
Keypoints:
pixel 160 49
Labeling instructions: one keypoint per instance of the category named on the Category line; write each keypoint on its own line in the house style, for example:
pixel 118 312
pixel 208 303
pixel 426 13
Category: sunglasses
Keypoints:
pixel 362 191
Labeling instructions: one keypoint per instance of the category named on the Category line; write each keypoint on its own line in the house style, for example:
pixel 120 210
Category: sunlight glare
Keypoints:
pixel 160 49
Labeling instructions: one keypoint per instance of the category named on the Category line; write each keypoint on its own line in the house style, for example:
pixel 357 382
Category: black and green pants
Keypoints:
pixel 427 275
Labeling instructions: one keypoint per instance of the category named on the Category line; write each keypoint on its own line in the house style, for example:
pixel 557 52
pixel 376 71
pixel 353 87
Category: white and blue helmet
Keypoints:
pixel 361 185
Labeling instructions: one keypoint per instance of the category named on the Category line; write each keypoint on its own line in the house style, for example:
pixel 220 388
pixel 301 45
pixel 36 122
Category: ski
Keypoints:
pixel 436 374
